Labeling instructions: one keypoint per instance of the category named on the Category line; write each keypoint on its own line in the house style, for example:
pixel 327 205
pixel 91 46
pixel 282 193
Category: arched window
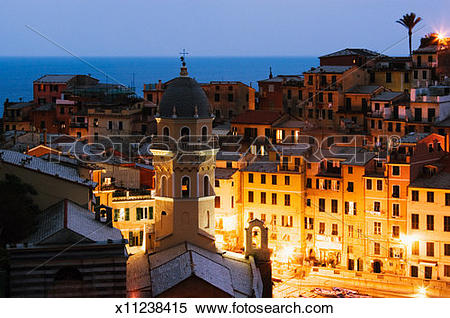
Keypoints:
pixel 163 213
pixel 166 131
pixel 185 131
pixel 185 187
pixel 164 186
pixel 206 186
pixel 207 221
pixel 204 133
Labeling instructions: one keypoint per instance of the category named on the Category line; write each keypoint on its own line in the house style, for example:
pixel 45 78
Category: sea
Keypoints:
pixel 18 73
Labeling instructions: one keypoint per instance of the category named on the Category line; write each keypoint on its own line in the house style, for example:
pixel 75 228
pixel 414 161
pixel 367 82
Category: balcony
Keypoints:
pixel 396 157
pixel 78 125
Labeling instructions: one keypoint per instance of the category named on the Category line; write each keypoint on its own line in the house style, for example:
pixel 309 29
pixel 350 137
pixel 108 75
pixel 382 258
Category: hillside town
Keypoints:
pixel 218 189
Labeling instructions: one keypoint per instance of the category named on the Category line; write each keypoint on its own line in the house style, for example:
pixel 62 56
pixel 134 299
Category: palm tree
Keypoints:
pixel 409 21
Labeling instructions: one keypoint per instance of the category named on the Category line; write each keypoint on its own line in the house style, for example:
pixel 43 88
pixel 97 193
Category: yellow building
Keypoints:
pixel 428 234
pixel 133 215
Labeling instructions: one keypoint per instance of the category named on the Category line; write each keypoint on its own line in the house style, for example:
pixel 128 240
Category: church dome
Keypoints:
pixel 184 98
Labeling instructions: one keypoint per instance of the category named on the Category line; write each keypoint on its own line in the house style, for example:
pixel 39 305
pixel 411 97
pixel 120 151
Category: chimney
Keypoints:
pixel 45 136
pixel 97 214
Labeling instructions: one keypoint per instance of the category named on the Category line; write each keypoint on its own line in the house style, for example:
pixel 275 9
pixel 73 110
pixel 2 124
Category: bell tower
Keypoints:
pixel 184 153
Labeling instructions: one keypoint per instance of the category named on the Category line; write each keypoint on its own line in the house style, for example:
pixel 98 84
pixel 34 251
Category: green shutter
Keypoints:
pixel 141 237
pixel 138 214
pixel 130 238
pixel 127 214
pixel 150 209
pixel 116 215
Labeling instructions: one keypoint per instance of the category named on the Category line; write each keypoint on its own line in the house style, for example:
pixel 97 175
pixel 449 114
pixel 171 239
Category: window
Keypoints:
pixel 308 202
pixel 150 212
pixel 263 179
pixel 415 248
pixel 447 199
pixel 377 228
pixel 321 228
pixel 376 248
pixel 377 206
pixel 263 198
pixel 430 196
pixel 185 187
pixel 388 77
pixel 206 186
pixel 274 179
pixel 321 205
pixel 110 125
pixel 428 272
pixel 230 97
pixel 120 125
pixel 334 229
pixel 166 131
pixel 287 180
pixel 250 196
pixel 287 199
pixel 250 178
pixel 350 230
pixel 395 170
pixel 447 249
pixel 274 198
pixel 139 214
pixel 217 183
pixel 334 206
pixel 350 187
pixel 217 202
pixel 447 270
pixel 350 170
pixel 217 97
pixel 414 271
pixel 415 221
pixel 369 184
pixel 415 195
pixel 127 214
pixel 396 191
pixel 446 223
pixel 251 216
pixel 379 185
pixel 395 210
pixel 430 249
pixel 116 215
pixel 395 231
pixel 430 222
pixel 308 183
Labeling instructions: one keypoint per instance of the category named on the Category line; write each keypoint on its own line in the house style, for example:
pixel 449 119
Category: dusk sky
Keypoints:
pixel 212 28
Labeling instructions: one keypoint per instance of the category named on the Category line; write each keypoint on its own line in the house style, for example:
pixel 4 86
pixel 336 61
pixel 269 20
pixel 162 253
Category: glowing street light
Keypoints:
pixel 422 292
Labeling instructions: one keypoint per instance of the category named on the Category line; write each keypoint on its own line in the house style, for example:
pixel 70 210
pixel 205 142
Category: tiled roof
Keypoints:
pixel 334 69
pixel 363 89
pixel 283 78
pixel 262 164
pixel 386 96
pixel 44 166
pixel 228 156
pixel 438 181
pixel 257 117
pixel 69 215
pixel 293 150
pixel 20 105
pixel 225 173
pixel 413 137
pixel 349 51
pixel 61 78
pixel 233 274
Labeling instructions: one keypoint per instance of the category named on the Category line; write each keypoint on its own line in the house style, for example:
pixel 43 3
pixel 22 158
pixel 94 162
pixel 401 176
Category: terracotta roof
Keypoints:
pixel 257 117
